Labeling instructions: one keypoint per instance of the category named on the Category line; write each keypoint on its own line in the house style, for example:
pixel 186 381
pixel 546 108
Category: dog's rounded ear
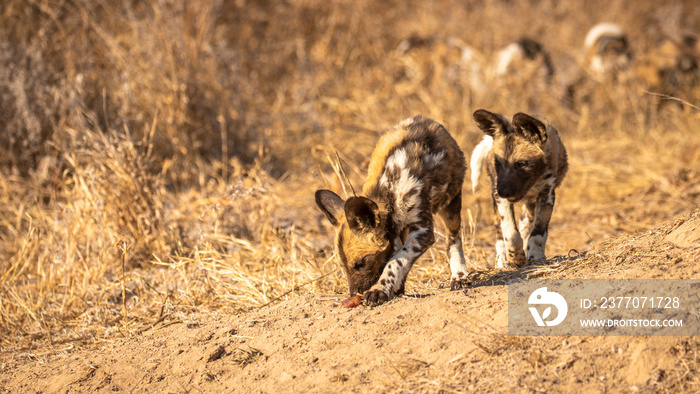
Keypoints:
pixel 531 128
pixel 362 214
pixel 489 122
pixel 331 205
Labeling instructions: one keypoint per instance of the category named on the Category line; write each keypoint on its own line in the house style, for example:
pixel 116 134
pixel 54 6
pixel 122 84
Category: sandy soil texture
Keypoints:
pixel 438 342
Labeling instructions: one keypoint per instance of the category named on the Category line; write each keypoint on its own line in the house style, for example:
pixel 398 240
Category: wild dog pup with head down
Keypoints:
pixel 416 170
pixel 526 161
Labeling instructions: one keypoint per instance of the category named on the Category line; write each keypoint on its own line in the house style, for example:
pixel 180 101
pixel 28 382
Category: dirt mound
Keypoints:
pixel 442 340
pixel 686 233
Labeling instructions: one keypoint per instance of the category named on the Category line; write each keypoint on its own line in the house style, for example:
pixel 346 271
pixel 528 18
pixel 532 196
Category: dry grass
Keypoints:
pixel 157 160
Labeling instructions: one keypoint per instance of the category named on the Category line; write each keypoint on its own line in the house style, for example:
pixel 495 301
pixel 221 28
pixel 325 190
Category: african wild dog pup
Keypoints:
pixel 523 58
pixel 606 50
pixel 416 170
pixel 526 161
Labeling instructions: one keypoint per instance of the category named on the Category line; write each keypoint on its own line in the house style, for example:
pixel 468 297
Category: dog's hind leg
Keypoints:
pixel 451 214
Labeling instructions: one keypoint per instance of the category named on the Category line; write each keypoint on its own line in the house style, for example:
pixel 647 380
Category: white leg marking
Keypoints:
pixel 457 261
pixel 400 264
pixel 501 254
pixel 505 210
pixel 535 247
pixel 525 227
pixel 514 253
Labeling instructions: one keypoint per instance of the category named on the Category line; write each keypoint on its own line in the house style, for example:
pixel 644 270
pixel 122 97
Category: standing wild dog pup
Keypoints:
pixel 525 161
pixel 416 170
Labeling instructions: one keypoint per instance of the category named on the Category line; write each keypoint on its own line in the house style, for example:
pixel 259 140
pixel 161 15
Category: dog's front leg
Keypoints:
pixel 393 278
pixel 509 249
pixel 538 237
pixel 527 220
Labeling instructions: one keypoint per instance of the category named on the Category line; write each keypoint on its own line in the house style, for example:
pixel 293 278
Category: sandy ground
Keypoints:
pixel 439 342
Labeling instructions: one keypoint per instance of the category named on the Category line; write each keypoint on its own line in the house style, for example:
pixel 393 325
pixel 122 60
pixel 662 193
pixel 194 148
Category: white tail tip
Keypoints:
pixel 477 160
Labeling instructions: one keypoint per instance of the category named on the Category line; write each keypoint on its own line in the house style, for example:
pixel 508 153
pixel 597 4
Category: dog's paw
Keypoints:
pixel 536 259
pixel 460 281
pixel 517 259
pixel 373 297
pixel 509 258
pixel 535 248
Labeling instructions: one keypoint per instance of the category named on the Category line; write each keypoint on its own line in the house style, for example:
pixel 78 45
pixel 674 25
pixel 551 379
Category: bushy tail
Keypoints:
pixel 477 160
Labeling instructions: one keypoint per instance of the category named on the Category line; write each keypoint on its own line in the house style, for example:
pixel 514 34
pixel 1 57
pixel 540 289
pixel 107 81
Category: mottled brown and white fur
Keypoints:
pixel 416 170
pixel 523 59
pixel 607 51
pixel 525 161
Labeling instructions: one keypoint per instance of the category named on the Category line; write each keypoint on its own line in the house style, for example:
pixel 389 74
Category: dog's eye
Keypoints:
pixel 521 164
pixel 497 163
